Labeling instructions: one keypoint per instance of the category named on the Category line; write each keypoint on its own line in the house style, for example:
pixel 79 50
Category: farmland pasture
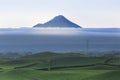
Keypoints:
pixel 62 67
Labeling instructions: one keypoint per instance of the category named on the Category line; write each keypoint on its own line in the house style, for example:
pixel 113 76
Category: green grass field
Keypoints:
pixel 52 66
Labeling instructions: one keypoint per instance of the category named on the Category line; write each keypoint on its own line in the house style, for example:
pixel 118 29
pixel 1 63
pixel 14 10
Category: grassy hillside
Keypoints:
pixel 70 66
pixel 110 75
pixel 27 74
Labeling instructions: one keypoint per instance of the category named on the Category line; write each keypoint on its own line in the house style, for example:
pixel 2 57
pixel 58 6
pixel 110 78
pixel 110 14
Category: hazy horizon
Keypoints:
pixel 89 13
pixel 58 39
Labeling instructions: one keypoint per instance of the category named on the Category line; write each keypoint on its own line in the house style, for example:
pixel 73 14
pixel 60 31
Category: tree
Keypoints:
pixel 49 64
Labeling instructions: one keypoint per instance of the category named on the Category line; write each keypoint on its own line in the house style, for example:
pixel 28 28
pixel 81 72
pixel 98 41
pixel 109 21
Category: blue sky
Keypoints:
pixel 87 13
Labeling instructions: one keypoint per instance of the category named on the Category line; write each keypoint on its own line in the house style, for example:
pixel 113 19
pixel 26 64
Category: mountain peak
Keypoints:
pixel 58 21
pixel 60 16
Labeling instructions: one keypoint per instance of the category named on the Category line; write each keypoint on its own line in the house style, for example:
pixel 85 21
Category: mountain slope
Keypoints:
pixel 59 21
